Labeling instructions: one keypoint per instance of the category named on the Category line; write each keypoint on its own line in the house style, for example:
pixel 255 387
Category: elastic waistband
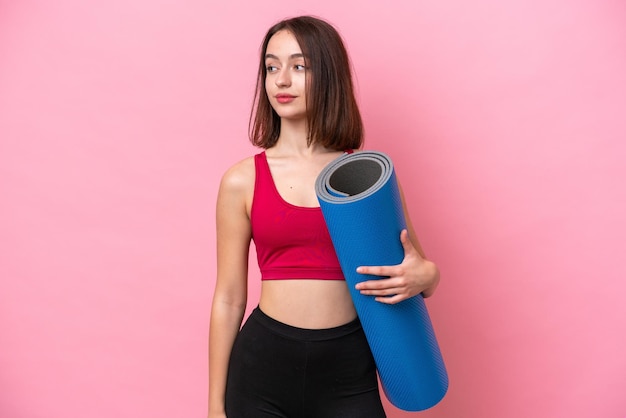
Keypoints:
pixel 304 334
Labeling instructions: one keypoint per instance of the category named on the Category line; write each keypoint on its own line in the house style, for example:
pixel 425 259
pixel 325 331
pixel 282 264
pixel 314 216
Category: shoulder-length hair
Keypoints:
pixel 333 116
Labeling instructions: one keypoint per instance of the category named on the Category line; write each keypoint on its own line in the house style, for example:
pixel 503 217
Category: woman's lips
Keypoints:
pixel 284 98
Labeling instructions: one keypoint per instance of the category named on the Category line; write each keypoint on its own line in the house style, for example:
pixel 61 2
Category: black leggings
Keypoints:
pixel 277 370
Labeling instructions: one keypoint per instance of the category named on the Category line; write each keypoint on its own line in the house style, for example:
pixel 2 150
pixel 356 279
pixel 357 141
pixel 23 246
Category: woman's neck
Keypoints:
pixel 293 138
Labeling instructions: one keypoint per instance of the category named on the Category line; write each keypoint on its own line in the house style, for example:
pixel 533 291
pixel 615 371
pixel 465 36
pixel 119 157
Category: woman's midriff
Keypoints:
pixel 313 304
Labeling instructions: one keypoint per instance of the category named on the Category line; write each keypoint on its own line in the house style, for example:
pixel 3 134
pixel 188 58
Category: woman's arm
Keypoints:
pixel 428 269
pixel 229 299
pixel 416 274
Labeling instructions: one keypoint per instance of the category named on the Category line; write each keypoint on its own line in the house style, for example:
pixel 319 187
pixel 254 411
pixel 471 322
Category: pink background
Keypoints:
pixel 507 124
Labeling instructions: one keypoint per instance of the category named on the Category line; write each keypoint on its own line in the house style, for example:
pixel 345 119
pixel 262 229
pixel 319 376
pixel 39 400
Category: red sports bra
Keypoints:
pixel 292 242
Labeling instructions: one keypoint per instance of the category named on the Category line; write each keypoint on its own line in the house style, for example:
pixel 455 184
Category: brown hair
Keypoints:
pixel 333 117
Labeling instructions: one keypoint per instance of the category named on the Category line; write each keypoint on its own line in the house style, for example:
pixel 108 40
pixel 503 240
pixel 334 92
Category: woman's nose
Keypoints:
pixel 283 79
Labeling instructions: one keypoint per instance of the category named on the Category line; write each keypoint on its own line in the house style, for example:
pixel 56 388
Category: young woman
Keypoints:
pixel 302 352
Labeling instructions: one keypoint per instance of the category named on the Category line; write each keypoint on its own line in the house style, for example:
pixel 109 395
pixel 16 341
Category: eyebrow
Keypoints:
pixel 292 56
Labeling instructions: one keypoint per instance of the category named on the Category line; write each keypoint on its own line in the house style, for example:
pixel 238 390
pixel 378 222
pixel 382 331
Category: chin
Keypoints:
pixel 291 116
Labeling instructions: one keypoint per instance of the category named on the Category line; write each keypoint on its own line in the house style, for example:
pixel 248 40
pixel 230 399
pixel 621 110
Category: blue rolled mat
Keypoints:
pixel 361 204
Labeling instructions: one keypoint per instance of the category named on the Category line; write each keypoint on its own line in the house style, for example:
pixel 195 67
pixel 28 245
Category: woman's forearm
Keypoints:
pixel 225 323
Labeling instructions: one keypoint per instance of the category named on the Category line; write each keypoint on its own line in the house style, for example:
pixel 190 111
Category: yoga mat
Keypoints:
pixel 361 204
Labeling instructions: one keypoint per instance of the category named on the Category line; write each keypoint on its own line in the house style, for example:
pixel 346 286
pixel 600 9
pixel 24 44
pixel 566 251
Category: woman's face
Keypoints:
pixel 285 82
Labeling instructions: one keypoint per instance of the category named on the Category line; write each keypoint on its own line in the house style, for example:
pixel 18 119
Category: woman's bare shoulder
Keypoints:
pixel 239 177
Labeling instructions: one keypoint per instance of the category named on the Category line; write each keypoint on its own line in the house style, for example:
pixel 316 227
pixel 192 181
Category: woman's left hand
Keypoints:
pixel 413 276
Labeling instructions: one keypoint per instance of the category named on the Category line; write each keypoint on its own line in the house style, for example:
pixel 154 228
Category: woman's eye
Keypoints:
pixel 300 67
pixel 271 68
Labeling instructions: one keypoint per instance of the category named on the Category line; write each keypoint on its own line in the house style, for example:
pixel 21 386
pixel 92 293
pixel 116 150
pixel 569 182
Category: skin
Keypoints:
pixel 294 166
